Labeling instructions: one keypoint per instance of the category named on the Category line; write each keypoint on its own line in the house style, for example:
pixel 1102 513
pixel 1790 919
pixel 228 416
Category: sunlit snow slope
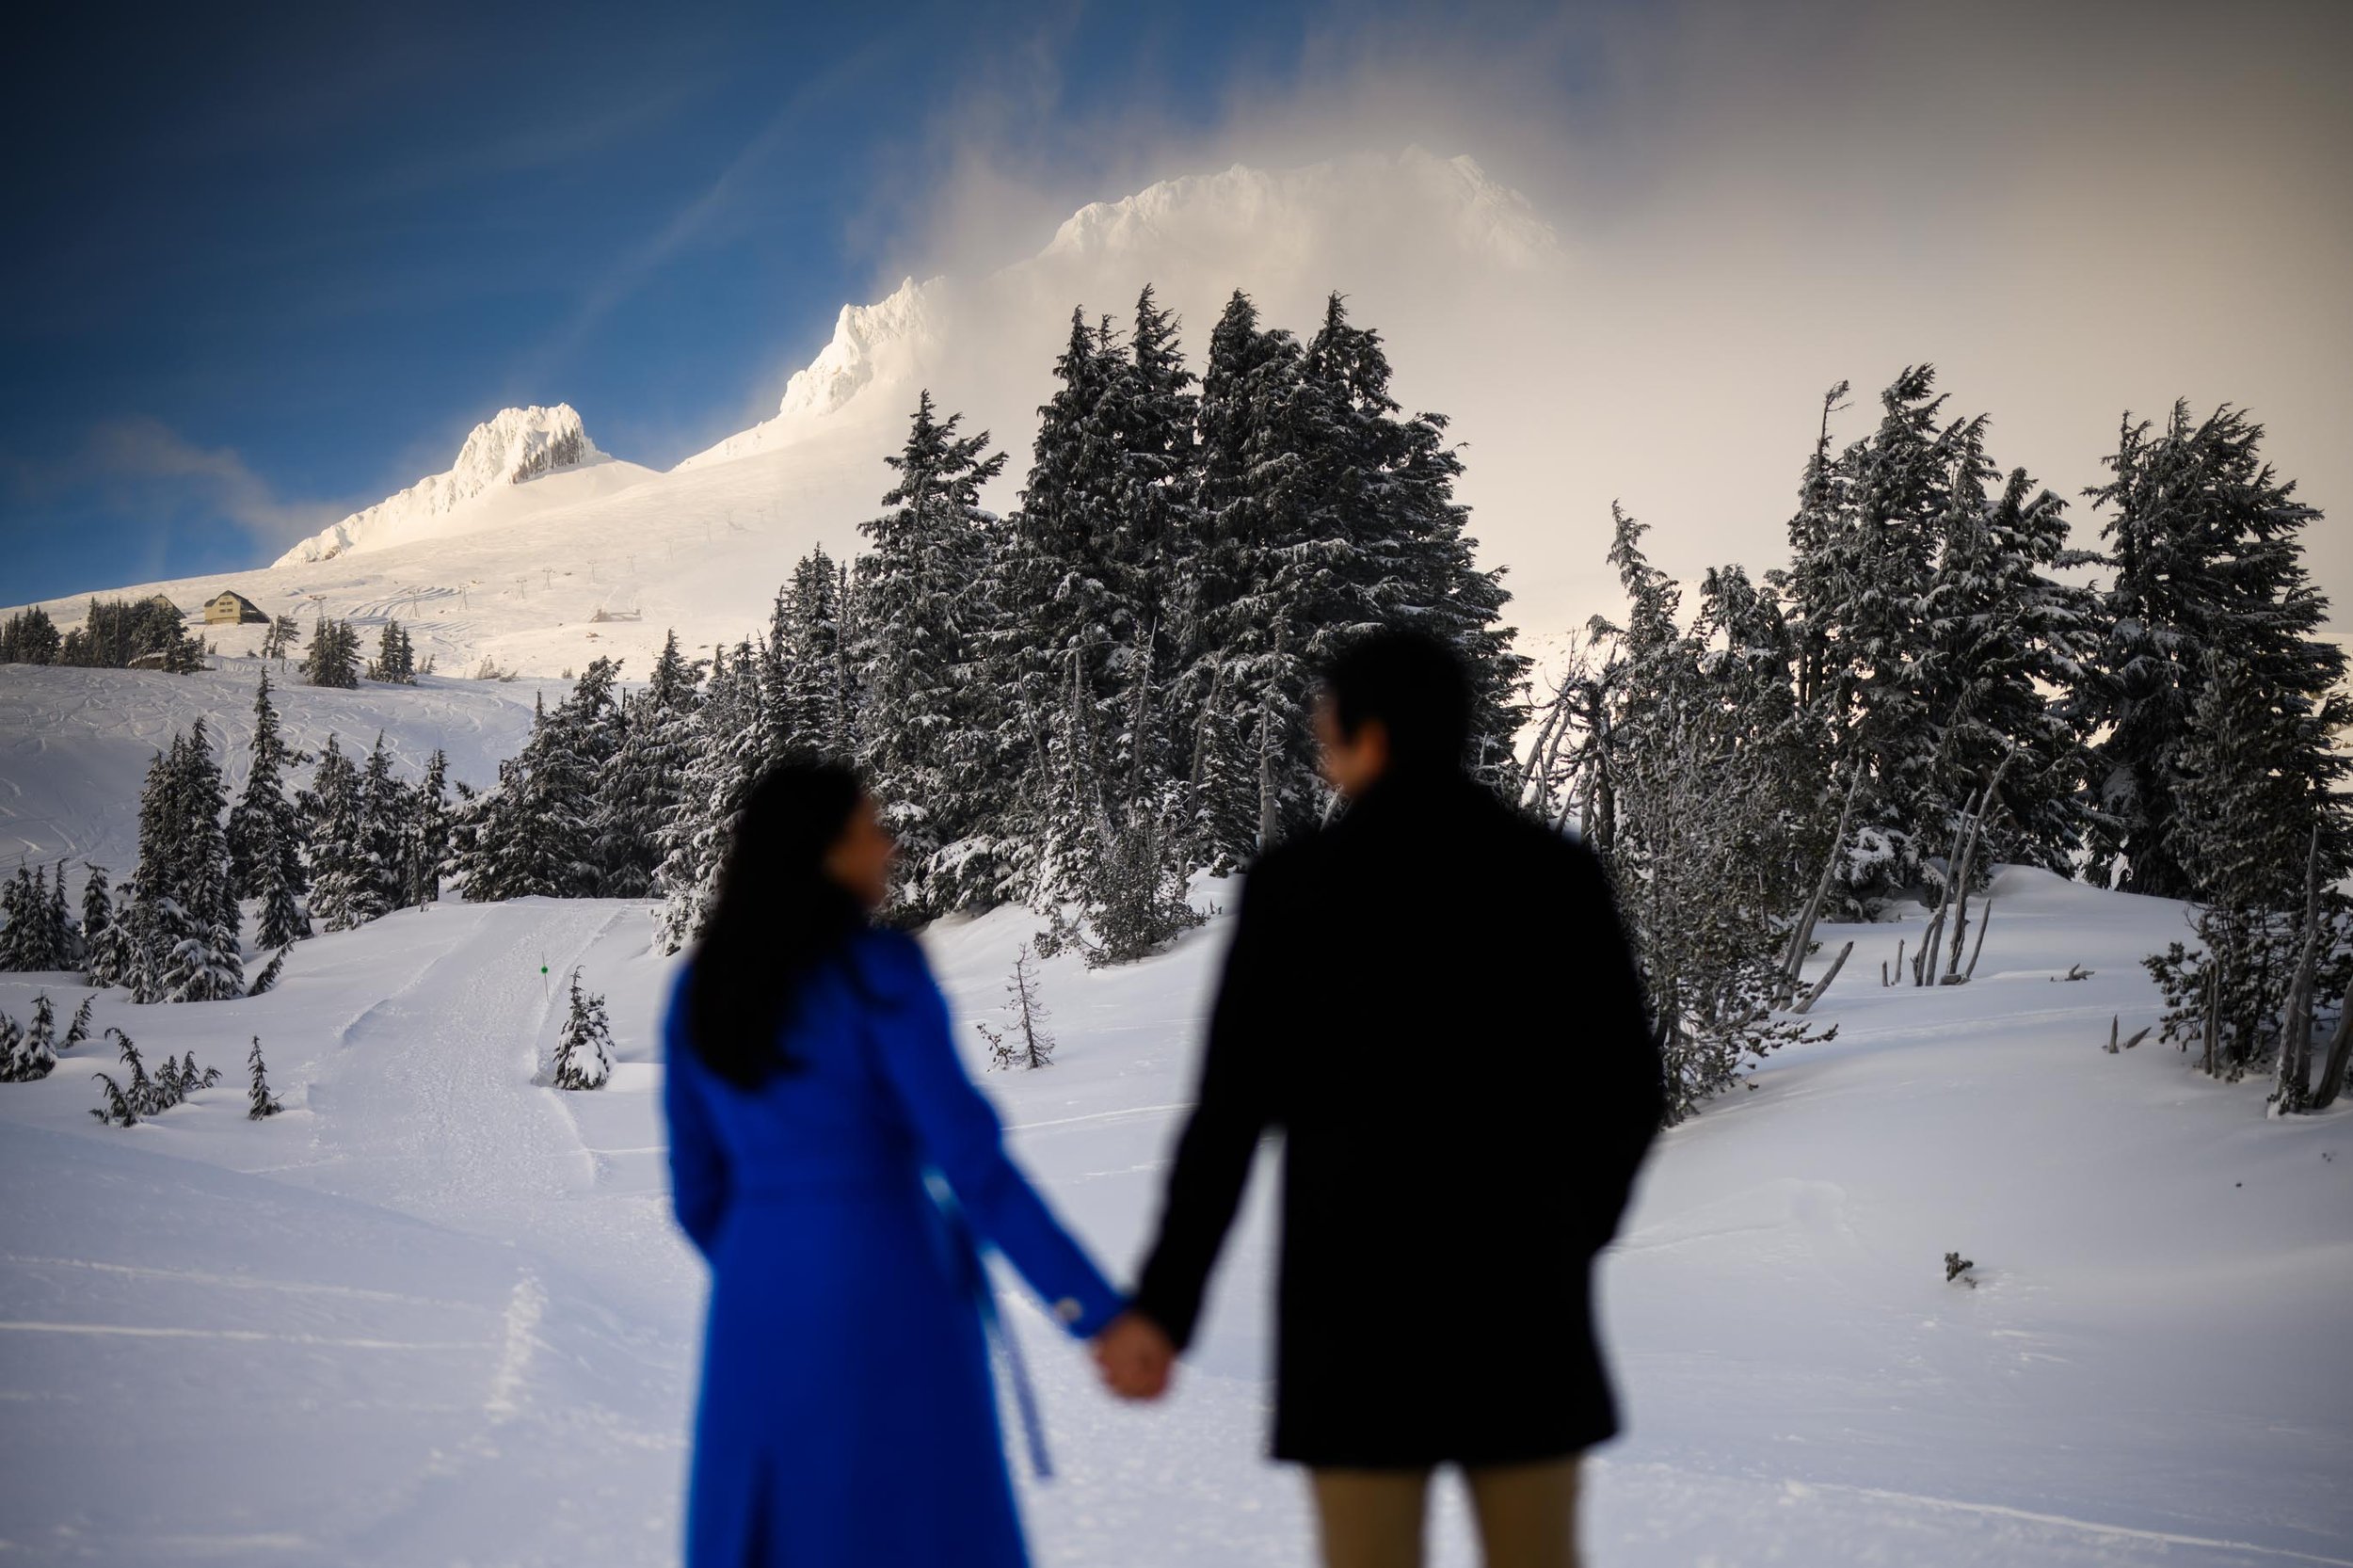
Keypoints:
pixel 436 1313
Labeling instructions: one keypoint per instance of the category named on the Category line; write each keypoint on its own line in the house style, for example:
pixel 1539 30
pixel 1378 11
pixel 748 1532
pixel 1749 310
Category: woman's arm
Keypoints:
pixel 699 1165
pixel 964 1141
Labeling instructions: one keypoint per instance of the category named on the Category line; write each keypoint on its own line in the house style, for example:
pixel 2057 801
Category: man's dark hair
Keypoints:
pixel 1415 685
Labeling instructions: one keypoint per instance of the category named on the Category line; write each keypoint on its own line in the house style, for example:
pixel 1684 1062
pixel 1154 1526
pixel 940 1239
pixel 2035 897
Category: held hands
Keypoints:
pixel 1135 1356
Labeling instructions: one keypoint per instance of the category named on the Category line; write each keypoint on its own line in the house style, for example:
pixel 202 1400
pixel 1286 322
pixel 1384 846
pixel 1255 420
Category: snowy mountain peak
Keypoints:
pixel 867 339
pixel 512 446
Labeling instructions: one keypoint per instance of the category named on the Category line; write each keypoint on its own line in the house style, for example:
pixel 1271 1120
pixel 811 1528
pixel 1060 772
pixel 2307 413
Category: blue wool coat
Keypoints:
pixel 847 1417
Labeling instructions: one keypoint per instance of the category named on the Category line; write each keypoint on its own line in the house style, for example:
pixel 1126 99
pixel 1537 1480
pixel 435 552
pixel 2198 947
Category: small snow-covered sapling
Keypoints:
pixel 1958 1267
pixel 259 1102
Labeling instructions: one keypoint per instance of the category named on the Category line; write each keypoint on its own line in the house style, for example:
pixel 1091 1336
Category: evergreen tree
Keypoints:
pixel 1706 844
pixel 107 953
pixel 395 656
pixel 2007 643
pixel 534 834
pixel 265 832
pixel 259 1102
pixel 182 924
pixel 279 641
pixel 1865 549
pixel 268 980
pixel 925 752
pixel 333 656
pixel 816 697
pixel 347 880
pixel 387 810
pixel 29 637
pixel 78 1030
pixel 584 1053
pixel 2242 801
pixel 32 1053
pixel 725 754
pixel 425 835
pixel 641 786
pixel 2206 542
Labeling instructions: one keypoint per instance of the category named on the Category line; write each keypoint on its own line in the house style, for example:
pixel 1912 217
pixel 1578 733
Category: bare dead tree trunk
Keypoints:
pixel 1805 1003
pixel 1985 922
pixel 1531 773
pixel 2333 1070
pixel 1933 938
pixel 2295 1029
pixel 1802 935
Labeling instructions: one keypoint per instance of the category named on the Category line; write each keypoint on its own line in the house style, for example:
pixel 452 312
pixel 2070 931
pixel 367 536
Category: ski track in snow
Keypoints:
pixel 438 1313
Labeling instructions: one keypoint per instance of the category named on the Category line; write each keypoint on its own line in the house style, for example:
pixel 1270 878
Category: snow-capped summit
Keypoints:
pixel 868 341
pixel 512 446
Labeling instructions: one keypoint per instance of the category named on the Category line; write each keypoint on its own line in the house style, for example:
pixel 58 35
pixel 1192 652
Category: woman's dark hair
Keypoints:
pixel 778 919
pixel 1416 686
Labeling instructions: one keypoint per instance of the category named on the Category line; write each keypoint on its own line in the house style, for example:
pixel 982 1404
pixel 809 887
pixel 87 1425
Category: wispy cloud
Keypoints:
pixel 141 466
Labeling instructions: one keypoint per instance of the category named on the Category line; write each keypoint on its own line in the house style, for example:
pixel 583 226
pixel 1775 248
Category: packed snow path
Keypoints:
pixel 435 1313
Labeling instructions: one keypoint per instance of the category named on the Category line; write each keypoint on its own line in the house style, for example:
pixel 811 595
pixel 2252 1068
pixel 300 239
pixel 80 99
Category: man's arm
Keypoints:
pixel 1233 1108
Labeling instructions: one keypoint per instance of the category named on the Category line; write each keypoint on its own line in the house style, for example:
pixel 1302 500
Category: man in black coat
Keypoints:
pixel 1433 1001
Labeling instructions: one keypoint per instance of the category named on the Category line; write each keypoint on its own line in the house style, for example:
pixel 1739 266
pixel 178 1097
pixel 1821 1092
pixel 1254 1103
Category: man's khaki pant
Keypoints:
pixel 1373 1518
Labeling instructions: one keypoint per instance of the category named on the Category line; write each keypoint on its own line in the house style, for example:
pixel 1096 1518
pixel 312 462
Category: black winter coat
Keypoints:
pixel 1434 1002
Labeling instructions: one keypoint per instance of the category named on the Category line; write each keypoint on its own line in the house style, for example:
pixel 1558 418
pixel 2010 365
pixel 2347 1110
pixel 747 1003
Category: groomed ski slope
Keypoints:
pixel 435 1313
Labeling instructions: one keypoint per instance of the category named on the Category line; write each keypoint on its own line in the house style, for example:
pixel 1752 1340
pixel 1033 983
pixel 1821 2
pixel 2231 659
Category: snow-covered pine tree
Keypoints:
pixel 640 787
pixel 12 1051
pixel 583 1053
pixel 279 641
pixel 2207 546
pixel 533 837
pixel 817 697
pixel 2242 800
pixel 347 881
pixel 182 921
pixel 2008 646
pixel 36 1054
pixel 923 744
pixel 1403 556
pixel 265 832
pixel 259 1102
pixel 386 808
pixel 332 658
pixel 115 1108
pixel 425 835
pixel 107 958
pixel 1863 548
pixel 1049 654
pixel 267 978
pixel 1701 847
pixel 395 656
pixel 29 637
pixel 727 750
pixel 77 1030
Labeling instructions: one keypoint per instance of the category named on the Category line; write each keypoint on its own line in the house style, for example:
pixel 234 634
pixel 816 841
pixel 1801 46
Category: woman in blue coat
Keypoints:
pixel 816 1105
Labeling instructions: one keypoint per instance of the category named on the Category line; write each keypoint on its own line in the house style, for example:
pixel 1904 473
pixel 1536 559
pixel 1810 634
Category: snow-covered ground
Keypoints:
pixel 436 1313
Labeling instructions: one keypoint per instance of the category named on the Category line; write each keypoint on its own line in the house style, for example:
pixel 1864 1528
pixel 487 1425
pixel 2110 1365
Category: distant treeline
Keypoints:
pixel 115 635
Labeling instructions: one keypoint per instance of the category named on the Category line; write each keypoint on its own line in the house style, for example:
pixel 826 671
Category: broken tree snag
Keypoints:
pixel 2333 1070
pixel 1802 935
pixel 2293 1090
pixel 1805 1003
pixel 1985 923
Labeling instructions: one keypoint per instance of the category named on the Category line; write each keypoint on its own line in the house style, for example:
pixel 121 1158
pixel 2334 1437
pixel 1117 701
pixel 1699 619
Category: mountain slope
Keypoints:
pixel 513 447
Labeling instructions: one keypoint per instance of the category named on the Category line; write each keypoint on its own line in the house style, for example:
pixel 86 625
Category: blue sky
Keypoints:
pixel 267 259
